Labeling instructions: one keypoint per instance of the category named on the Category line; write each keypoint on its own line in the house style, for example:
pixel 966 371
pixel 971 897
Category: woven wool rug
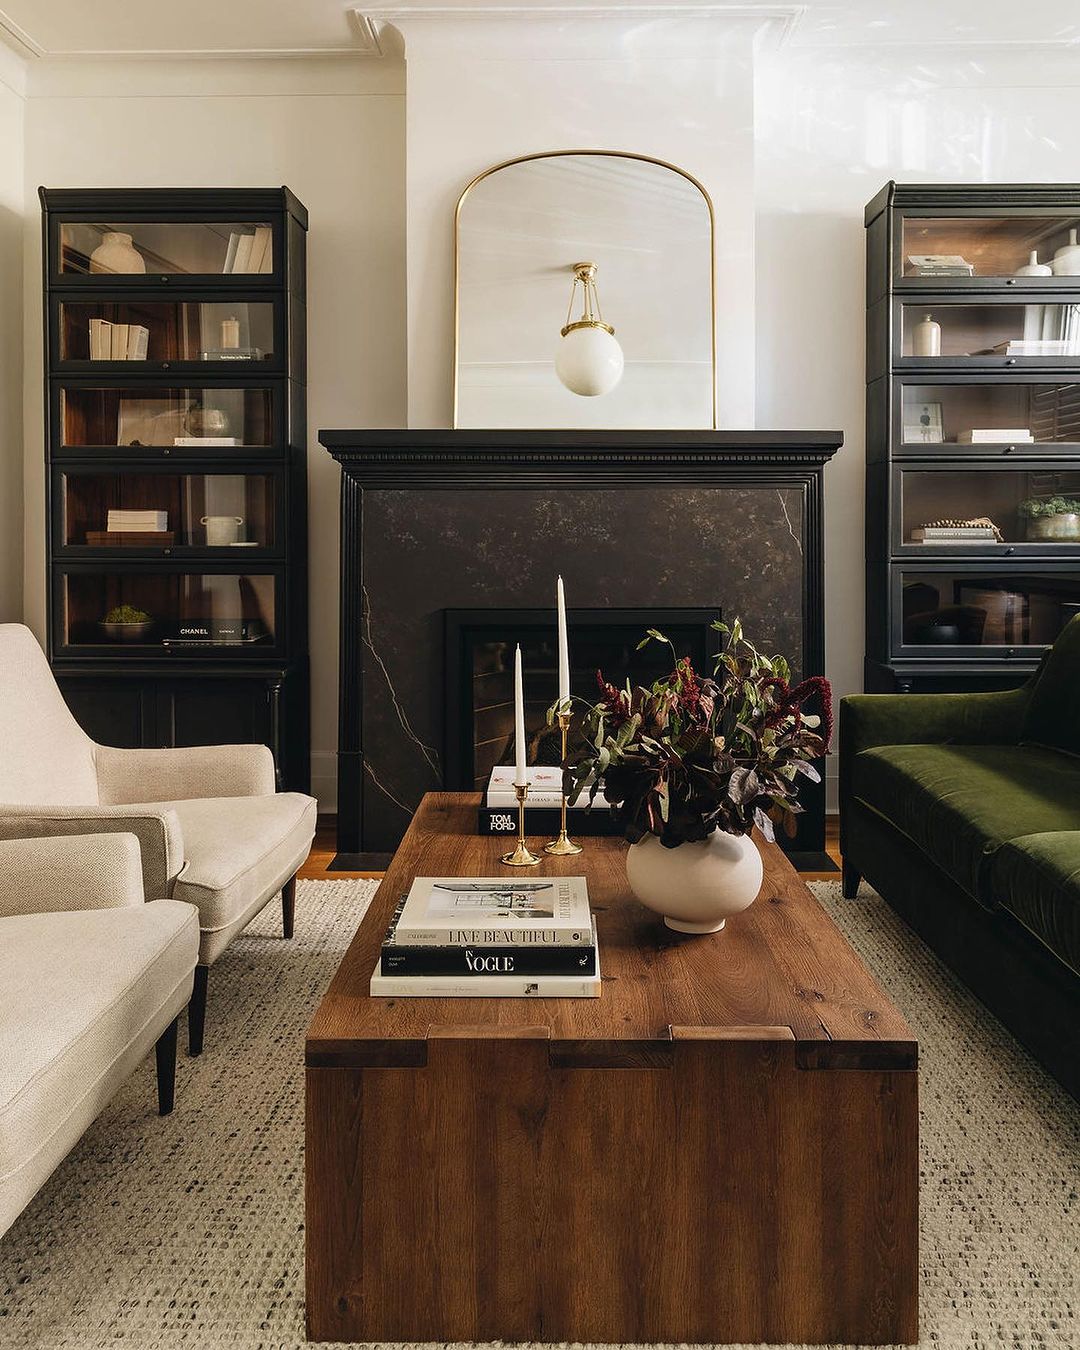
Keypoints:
pixel 188 1231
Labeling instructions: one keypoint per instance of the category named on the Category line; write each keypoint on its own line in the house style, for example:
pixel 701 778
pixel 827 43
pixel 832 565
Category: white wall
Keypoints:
pixel 12 84
pixel 831 127
pixel 333 130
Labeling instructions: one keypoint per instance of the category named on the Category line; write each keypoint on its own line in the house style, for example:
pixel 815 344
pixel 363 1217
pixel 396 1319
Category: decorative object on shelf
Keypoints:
pixel 230 333
pixel 222 531
pixel 204 421
pixel 940 265
pixel 951 530
pixel 1034 268
pixel 1067 258
pixel 589 360
pixel 1054 519
pixel 149 421
pixel 923 422
pixel 125 623
pixel 520 857
pixel 926 337
pixel 993 435
pixel 562 845
pixel 117 254
pixel 692 756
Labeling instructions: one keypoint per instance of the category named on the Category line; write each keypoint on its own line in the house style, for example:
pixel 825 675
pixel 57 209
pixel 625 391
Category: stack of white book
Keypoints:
pixel 993 435
pixel 118 341
pixel 953 534
pixel 491 937
pixel 137 522
pixel 250 252
pixel 545 788
pixel 1039 347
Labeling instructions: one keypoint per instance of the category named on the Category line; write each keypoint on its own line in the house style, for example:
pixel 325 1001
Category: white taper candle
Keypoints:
pixel 564 647
pixel 519 723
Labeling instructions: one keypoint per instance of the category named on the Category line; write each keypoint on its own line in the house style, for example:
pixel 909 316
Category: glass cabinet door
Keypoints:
pixel 142 509
pixel 972 607
pixel 1011 412
pixel 946 510
pixel 237 332
pixel 959 248
pixel 136 248
pixel 188 611
pixel 193 418
pixel 939 331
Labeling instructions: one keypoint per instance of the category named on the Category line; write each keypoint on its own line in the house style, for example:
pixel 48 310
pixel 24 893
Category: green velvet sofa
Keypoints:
pixel 963 812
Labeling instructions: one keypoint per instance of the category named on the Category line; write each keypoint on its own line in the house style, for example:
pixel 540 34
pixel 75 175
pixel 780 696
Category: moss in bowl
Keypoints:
pixel 1052 518
pixel 125 623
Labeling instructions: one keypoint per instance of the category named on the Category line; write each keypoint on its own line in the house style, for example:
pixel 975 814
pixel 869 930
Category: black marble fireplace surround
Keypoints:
pixel 437 521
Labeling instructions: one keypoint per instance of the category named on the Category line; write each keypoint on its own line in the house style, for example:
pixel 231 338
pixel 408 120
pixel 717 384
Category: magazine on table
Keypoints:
pixel 495 912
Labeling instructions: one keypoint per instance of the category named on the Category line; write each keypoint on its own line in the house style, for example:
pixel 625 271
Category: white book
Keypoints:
pixel 243 253
pixel 100 339
pixel 119 342
pixel 205 440
pixel 123 522
pixel 495 912
pixel 259 245
pixel 487 986
pixel 991 435
pixel 230 252
pixel 138 342
pixel 545 788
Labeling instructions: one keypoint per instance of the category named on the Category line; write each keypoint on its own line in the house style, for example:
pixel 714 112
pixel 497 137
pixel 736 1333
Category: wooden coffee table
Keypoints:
pixel 723 1147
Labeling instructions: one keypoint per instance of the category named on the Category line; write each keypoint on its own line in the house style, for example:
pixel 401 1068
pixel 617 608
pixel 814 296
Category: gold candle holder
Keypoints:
pixel 563 846
pixel 521 857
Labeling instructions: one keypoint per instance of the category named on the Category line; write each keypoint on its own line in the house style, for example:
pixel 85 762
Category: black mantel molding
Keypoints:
pixel 493 460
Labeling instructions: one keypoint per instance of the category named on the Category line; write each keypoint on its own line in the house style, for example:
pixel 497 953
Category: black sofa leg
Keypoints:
pixel 849 881
pixel 288 907
pixel 165 1053
pixel 196 1016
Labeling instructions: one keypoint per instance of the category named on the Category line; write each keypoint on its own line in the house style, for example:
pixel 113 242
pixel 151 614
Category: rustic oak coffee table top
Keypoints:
pixel 779 970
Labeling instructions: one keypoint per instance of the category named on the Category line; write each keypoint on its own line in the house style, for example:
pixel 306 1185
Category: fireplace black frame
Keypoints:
pixel 581 461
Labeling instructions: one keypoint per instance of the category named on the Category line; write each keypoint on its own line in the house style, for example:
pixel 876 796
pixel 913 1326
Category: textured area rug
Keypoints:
pixel 188 1231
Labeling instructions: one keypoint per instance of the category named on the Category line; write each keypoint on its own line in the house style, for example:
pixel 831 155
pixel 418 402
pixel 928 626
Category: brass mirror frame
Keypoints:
pixel 562 154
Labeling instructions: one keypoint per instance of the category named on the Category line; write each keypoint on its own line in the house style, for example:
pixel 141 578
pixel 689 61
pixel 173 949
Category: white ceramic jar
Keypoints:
pixel 116 253
pixel 696 886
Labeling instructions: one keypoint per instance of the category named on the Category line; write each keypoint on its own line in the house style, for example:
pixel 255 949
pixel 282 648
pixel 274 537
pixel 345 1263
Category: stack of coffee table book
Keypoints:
pixel 491 937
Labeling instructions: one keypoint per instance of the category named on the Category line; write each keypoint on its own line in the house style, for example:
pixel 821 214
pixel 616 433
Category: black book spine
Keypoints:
pixel 488 960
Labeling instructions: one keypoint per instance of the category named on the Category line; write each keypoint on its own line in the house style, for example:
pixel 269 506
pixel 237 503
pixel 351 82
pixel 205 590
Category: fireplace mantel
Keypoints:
pixel 770 536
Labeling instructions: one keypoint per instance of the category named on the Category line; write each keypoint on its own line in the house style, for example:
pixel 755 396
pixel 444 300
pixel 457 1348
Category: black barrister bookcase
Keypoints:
pixel 176 475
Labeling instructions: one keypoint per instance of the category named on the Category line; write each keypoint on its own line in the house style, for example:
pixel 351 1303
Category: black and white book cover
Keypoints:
pixel 495 912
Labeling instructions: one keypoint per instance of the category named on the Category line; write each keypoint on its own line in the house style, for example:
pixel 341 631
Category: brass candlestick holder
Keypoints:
pixel 563 846
pixel 521 857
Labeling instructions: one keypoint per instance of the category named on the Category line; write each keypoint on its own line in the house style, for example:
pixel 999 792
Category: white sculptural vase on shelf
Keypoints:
pixel 117 254
pixel 1067 258
pixel 697 886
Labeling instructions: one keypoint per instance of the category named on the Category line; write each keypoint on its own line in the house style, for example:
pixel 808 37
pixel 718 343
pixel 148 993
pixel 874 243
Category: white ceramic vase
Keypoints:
pixel 696 886
pixel 1067 258
pixel 116 253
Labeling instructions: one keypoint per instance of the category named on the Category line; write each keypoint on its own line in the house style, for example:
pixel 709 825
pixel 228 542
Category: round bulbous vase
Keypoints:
pixel 696 886
pixel 116 254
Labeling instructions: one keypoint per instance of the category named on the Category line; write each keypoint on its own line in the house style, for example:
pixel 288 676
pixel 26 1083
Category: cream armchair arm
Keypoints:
pixel 157 829
pixel 184 773
pixel 91 871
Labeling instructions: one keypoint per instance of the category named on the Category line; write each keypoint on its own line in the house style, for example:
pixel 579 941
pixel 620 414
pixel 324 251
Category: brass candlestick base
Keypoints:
pixel 563 846
pixel 521 857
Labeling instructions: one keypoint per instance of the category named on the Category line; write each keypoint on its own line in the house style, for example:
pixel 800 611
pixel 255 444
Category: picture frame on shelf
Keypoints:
pixel 923 424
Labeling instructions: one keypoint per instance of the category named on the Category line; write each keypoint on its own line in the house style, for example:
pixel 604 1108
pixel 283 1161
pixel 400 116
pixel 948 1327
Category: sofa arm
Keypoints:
pixel 161 843
pixel 89 871
pixel 184 773
pixel 867 720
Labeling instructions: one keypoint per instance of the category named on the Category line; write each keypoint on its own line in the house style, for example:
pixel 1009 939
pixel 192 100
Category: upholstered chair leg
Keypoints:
pixel 196 1017
pixel 849 881
pixel 288 907
pixel 165 1052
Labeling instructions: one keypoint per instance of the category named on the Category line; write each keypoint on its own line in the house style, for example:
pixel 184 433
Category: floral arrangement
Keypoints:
pixel 693 753
pixel 1034 507
pixel 126 614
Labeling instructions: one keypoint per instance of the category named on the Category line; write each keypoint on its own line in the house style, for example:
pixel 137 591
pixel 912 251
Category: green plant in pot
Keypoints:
pixel 125 623
pixel 693 763
pixel 1051 518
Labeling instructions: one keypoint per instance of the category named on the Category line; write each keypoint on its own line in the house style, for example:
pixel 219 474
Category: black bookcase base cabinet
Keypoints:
pixel 140 709
pixel 883 678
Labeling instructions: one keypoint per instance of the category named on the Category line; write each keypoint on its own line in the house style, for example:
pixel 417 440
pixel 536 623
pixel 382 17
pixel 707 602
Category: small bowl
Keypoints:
pixel 127 632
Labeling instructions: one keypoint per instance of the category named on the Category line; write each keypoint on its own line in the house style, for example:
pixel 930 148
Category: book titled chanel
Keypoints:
pixel 494 912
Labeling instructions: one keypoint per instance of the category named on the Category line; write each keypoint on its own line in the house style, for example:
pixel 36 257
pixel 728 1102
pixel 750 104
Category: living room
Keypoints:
pixel 589 519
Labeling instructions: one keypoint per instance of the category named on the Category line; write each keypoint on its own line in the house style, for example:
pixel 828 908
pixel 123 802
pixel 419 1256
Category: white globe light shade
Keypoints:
pixel 589 361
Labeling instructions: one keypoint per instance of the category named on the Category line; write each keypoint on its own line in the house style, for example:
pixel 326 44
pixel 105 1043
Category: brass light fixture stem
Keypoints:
pixel 521 857
pixel 563 846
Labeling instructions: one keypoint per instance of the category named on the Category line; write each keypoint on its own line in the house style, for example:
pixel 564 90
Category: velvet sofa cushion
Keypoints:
pixel 1037 879
pixel 960 803
pixel 1052 715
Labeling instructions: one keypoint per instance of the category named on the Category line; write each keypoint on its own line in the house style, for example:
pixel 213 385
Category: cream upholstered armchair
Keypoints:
pixel 211 828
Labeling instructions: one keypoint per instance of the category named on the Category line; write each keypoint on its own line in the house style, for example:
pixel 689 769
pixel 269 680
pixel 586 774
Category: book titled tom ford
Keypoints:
pixel 494 912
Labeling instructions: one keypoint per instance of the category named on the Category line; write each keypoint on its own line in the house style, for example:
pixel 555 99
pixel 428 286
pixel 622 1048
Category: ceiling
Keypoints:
pixel 325 27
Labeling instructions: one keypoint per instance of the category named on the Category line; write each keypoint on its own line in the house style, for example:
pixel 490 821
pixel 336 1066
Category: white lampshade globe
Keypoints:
pixel 589 361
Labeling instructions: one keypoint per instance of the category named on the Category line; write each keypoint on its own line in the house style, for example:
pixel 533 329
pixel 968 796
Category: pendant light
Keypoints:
pixel 589 360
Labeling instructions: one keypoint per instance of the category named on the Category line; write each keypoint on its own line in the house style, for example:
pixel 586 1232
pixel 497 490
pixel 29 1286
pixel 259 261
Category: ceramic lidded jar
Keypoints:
pixel 696 886
pixel 116 253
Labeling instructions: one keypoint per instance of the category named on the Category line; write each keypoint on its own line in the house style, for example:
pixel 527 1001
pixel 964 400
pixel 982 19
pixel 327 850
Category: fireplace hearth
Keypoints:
pixel 441 525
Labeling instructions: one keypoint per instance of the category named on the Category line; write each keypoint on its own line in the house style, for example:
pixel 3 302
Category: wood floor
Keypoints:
pixel 322 853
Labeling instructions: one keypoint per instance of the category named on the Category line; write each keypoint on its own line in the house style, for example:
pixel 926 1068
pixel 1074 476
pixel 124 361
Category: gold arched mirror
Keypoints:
pixel 584 295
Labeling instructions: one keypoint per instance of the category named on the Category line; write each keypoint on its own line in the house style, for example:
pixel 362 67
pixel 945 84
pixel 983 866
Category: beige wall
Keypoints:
pixel 12 82
pixel 333 130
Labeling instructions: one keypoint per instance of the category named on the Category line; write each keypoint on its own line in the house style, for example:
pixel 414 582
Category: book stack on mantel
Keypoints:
pixel 491 937
pixel 543 806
